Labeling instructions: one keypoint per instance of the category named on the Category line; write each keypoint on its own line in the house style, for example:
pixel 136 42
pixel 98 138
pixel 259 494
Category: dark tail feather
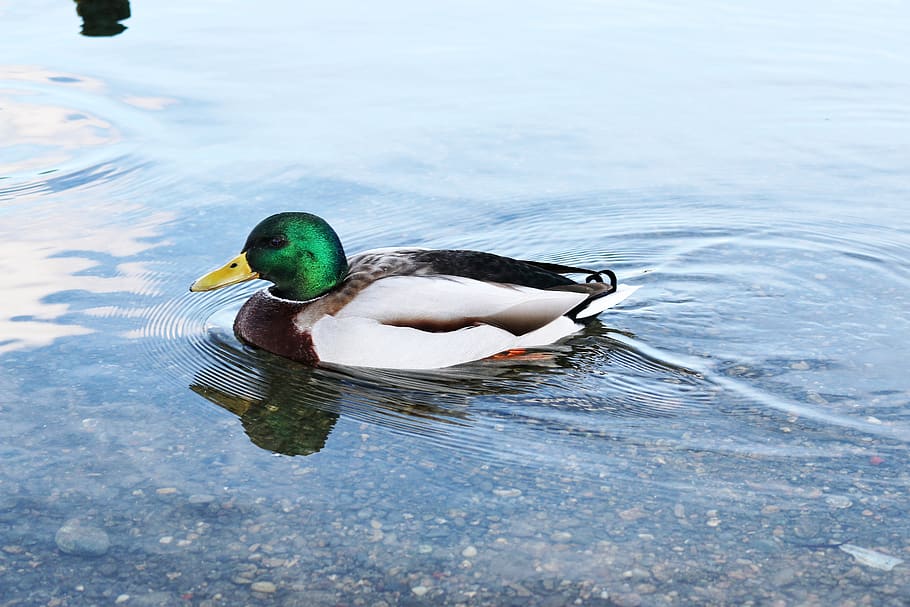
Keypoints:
pixel 593 275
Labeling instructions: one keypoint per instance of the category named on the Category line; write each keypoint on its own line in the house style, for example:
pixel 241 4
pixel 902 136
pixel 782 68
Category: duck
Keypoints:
pixel 400 307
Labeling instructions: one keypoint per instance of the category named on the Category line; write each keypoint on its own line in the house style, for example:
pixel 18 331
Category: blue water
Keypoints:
pixel 712 441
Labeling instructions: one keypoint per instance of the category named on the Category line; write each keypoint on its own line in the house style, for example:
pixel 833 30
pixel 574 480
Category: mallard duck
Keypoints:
pixel 402 308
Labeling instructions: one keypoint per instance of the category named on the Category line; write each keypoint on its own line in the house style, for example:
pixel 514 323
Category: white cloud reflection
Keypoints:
pixel 71 231
pixel 43 257
pixel 49 117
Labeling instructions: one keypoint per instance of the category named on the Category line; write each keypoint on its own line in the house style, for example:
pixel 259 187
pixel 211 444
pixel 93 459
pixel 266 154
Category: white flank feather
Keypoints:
pixel 362 342
pixel 359 334
pixel 404 300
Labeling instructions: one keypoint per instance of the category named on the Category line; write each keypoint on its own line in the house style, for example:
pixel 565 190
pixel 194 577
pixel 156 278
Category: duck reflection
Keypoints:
pixel 290 409
pixel 276 422
pixel 103 17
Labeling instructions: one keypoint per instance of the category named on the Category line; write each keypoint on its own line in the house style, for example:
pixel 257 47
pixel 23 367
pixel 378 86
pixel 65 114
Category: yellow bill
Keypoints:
pixel 234 271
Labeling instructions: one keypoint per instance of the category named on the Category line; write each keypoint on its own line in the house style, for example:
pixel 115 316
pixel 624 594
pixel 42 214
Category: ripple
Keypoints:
pixel 48 121
pixel 655 375
pixel 69 235
pixel 572 389
pixel 66 132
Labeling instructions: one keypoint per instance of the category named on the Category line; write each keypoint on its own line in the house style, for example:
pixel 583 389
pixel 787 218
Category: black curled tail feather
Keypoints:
pixel 596 294
pixel 592 275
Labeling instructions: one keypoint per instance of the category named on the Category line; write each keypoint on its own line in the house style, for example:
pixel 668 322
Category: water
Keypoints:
pixel 708 443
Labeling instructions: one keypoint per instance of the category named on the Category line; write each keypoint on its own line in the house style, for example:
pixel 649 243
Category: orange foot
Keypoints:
pixel 521 354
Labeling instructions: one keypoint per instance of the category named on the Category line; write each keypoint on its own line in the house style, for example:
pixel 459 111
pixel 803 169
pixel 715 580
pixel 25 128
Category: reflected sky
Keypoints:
pixel 492 100
pixel 38 132
pixel 51 138
pixel 51 118
pixel 45 135
pixel 66 251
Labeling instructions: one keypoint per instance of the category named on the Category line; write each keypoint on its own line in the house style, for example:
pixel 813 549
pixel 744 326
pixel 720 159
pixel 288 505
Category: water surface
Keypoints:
pixel 711 441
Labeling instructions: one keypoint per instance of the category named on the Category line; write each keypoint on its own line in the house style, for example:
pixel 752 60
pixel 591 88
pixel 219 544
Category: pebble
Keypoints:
pixel 420 590
pixel 838 501
pixel 469 552
pixel 201 499
pixel 816 398
pixel 806 527
pixel 636 573
pixel 79 539
pixel 784 576
pixel 154 599
pixel 629 599
pixel 632 514
pixel 520 590
pixel 871 558
pixel 264 587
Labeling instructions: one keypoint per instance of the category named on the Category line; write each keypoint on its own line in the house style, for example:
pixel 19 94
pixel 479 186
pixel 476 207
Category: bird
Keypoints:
pixel 400 307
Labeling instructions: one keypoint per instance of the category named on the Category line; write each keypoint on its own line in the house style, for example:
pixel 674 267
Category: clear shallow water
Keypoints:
pixel 747 407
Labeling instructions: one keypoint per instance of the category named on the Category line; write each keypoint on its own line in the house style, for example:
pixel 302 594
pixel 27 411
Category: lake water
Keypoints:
pixel 720 438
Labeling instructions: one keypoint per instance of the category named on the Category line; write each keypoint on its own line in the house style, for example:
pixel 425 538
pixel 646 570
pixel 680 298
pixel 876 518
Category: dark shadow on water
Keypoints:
pixel 102 18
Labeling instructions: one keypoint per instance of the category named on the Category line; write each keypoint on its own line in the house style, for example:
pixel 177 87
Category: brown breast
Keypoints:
pixel 268 323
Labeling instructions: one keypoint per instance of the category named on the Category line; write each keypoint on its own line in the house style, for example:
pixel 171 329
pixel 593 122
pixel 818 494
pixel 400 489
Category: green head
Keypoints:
pixel 299 252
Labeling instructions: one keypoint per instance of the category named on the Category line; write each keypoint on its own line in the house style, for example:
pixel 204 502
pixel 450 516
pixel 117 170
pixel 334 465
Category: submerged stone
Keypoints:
pixel 265 587
pixel 154 599
pixel 201 499
pixel 75 537
pixel 872 558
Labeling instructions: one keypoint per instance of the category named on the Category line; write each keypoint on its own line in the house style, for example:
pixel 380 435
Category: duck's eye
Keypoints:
pixel 278 242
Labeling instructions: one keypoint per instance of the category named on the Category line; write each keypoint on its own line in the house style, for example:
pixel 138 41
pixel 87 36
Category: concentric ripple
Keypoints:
pixel 556 396
pixel 716 353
